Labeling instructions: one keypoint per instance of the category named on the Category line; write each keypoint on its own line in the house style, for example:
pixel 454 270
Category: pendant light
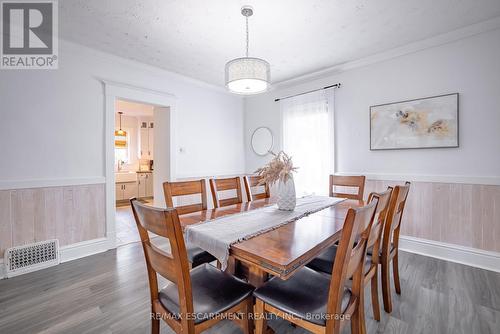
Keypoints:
pixel 120 135
pixel 247 75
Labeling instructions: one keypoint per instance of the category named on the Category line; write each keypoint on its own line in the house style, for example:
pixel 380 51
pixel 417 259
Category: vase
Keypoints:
pixel 286 195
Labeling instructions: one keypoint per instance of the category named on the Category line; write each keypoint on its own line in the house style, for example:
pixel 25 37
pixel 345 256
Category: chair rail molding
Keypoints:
pixel 464 179
pixel 50 182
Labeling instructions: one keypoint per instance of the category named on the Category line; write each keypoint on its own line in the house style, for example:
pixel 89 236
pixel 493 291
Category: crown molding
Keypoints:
pixel 435 41
pixel 154 70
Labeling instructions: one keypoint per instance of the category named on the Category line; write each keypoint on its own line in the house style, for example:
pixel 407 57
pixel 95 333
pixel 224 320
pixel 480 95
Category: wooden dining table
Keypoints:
pixel 283 251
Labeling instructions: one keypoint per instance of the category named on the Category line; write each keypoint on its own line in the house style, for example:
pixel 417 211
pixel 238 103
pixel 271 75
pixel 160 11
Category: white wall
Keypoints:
pixel 52 122
pixel 468 66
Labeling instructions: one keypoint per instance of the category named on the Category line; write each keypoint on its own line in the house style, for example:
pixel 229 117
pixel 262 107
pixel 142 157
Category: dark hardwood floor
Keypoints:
pixel 108 293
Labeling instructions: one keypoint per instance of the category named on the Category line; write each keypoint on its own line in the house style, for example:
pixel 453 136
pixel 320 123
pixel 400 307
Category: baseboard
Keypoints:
pixel 465 255
pixel 3 271
pixel 74 251
pixel 469 256
pixel 84 248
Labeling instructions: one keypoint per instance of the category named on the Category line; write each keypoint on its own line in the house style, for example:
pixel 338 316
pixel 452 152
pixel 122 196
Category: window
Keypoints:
pixel 122 152
pixel 308 138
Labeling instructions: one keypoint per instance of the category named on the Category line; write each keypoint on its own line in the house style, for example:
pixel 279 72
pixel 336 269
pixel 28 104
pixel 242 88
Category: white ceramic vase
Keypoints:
pixel 286 195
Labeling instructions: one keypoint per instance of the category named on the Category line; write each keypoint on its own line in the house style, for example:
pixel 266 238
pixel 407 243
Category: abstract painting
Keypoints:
pixel 422 123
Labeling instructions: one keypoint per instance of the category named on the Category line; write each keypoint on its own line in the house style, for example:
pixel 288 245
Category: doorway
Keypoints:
pixel 134 163
pixel 139 155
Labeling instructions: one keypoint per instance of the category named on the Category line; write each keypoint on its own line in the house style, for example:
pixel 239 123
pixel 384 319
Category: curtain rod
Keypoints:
pixel 337 85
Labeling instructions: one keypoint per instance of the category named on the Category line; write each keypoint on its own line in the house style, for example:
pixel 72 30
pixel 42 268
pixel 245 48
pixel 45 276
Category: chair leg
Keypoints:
pixel 362 324
pixel 395 269
pixel 260 321
pixel 374 291
pixel 155 326
pixel 247 321
pixel 355 329
pixel 386 287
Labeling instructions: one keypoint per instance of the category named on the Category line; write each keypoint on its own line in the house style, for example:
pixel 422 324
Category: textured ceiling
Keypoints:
pixel 196 38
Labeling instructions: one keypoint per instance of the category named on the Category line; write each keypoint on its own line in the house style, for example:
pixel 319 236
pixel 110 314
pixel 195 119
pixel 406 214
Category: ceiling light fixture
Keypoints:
pixel 247 75
pixel 120 135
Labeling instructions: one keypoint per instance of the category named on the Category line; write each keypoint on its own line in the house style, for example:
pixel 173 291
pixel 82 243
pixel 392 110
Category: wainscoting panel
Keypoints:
pixel 462 214
pixel 71 214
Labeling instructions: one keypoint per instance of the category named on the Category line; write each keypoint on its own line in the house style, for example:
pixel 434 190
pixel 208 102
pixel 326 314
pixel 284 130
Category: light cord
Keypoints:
pixel 246 17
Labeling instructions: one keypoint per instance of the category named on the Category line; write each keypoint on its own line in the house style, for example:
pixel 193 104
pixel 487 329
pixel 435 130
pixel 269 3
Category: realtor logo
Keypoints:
pixel 29 35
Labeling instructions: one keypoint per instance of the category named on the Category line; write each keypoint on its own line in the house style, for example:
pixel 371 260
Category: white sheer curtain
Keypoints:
pixel 308 138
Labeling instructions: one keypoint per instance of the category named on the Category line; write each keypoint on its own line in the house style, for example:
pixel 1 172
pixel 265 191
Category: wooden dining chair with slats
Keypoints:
pixel 197 299
pixel 252 181
pixel 324 262
pixel 373 246
pixel 318 302
pixel 390 243
pixel 196 255
pixel 357 182
pixel 232 183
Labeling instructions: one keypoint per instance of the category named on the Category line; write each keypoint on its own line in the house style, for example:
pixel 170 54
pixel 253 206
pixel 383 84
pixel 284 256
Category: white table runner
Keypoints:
pixel 217 236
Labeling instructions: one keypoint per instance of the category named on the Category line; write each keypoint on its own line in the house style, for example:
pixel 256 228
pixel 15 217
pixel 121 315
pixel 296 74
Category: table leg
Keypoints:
pixel 256 276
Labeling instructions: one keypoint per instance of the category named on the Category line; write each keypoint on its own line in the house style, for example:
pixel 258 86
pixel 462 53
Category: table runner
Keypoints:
pixel 216 236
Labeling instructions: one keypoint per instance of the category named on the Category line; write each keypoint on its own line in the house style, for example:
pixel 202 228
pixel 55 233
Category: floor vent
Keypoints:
pixel 27 258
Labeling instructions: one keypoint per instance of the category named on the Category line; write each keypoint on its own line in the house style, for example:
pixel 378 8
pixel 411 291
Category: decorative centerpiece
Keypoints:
pixel 280 169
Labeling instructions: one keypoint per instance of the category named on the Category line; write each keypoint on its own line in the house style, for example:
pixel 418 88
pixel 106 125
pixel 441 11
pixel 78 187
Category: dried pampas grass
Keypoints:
pixel 280 168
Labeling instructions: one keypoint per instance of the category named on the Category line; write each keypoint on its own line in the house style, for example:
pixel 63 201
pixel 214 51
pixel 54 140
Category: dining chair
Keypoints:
pixel 198 298
pixel 318 302
pixel 357 182
pixel 324 262
pixel 390 243
pixel 196 255
pixel 232 183
pixel 252 181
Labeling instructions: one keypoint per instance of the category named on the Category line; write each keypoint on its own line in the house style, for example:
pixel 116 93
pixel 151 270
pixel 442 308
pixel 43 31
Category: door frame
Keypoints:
pixel 114 91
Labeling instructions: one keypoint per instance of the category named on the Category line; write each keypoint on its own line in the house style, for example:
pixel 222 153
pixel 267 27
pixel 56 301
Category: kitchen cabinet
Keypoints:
pixel 125 191
pixel 119 191
pixel 149 185
pixel 145 184
pixel 146 139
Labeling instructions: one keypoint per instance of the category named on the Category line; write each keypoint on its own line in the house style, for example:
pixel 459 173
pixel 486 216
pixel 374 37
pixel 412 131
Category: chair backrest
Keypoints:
pixel 255 181
pixel 394 215
pixel 232 183
pixel 347 181
pixel 375 238
pixel 183 188
pixel 349 259
pixel 173 266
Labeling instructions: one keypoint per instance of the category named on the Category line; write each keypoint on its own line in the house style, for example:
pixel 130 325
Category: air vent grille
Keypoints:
pixel 27 258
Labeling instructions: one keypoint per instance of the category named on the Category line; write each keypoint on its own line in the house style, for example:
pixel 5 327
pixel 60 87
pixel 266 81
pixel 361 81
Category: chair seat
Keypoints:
pixel 198 256
pixel 213 293
pixel 304 295
pixel 324 262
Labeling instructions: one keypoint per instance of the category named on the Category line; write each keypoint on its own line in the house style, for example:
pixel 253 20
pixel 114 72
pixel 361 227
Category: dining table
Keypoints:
pixel 282 251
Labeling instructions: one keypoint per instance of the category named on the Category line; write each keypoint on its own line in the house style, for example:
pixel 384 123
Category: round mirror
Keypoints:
pixel 262 141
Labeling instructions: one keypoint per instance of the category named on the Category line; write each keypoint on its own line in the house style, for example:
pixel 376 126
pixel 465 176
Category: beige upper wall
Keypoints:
pixel 468 66
pixel 52 121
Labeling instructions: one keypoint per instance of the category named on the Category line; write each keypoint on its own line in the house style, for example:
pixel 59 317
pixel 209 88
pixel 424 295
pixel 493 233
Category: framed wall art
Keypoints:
pixel 429 122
